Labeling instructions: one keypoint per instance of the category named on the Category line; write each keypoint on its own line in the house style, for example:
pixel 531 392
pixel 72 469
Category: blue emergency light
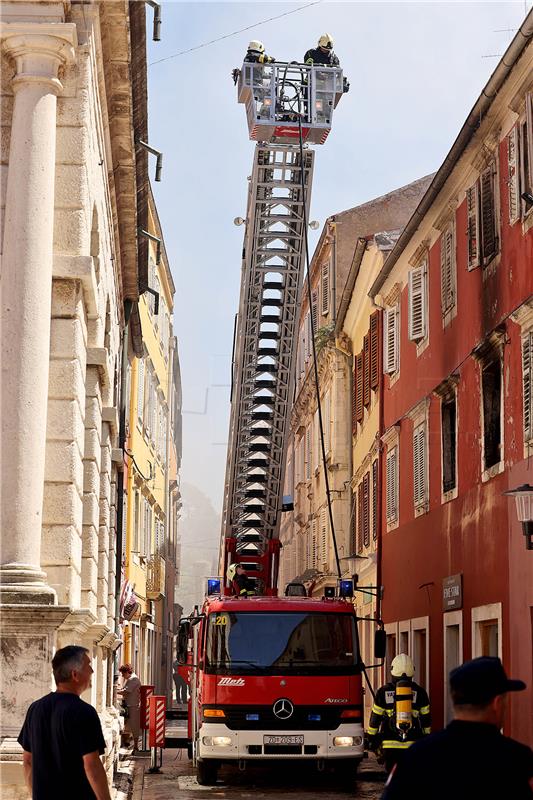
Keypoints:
pixel 252 717
pixel 213 586
pixel 346 588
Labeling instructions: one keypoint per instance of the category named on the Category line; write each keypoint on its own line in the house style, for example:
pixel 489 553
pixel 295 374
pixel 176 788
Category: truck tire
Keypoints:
pixel 206 772
pixel 189 750
pixel 347 772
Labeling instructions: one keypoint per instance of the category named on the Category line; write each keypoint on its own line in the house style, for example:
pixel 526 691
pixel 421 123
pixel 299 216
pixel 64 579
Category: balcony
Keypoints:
pixel 155 578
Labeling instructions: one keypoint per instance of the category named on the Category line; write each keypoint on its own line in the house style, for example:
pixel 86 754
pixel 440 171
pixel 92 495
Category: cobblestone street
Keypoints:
pixel 177 780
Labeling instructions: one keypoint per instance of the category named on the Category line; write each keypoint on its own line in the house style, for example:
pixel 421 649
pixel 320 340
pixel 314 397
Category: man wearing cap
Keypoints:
pixel 471 758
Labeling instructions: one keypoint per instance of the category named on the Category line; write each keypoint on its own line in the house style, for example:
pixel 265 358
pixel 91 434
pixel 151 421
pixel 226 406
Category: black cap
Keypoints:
pixel 476 682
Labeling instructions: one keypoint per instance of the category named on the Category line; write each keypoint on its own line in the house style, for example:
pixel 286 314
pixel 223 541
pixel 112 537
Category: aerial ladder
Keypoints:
pixel 289 107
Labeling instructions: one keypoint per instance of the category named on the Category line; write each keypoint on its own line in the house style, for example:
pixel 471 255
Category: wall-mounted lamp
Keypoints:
pixel 159 156
pixel 314 225
pixel 152 238
pixel 528 197
pixel 239 221
pixel 156 34
pixel 523 496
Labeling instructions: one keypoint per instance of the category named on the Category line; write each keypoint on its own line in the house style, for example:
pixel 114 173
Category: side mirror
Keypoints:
pixel 380 643
pixel 182 641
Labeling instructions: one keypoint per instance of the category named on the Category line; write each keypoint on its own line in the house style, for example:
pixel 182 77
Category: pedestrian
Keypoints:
pixel 180 684
pixel 130 692
pixel 470 758
pixel 62 736
pixel 400 713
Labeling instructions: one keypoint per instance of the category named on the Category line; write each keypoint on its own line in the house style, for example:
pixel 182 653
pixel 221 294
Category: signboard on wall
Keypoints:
pixel 452 592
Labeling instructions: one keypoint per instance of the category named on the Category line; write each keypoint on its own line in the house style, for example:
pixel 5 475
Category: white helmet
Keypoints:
pixel 258 47
pixel 230 573
pixel 326 40
pixel 402 665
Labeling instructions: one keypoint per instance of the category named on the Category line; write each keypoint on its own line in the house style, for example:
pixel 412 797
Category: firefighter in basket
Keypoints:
pixel 323 54
pixel 254 55
pixel 240 582
pixel 400 714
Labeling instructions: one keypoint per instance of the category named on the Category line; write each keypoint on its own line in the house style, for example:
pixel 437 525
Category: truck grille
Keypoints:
pixel 304 718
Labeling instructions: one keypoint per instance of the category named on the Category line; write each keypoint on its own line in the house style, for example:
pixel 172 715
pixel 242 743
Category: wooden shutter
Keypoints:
pixel 327 421
pixel 489 240
pixel 374 350
pixel 374 499
pixel 392 483
pixel 390 341
pixel 417 303
pixel 513 177
pixel 314 544
pixel 359 368
pixel 527 370
pixel 529 140
pixel 318 444
pixel 314 311
pixel 323 545
pixel 419 465
pixel 354 395
pixel 360 517
pixel 472 214
pixel 447 269
pixel 366 509
pixel 325 289
pixel 140 389
pixel 366 371
pixel 308 453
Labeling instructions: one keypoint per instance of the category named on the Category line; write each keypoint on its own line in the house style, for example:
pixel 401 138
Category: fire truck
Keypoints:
pixel 272 677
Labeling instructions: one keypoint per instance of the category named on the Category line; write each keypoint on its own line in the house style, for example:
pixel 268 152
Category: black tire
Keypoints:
pixel 206 772
pixel 189 750
pixel 347 772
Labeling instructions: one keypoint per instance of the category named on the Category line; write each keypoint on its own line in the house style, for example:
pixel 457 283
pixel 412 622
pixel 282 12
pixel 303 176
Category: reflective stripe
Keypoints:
pixel 371 731
pixel 392 744
pixel 414 712
pixel 426 731
pixel 390 712
pixel 424 710
pixel 377 710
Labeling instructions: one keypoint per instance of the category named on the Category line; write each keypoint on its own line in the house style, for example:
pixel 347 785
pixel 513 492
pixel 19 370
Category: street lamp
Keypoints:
pixel 523 496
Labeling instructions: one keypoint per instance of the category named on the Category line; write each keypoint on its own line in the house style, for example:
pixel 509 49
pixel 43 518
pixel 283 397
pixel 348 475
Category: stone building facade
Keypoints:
pixel 73 196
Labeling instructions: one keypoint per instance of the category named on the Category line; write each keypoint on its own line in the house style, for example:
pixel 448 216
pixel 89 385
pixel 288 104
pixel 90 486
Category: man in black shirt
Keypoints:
pixel 470 758
pixel 62 736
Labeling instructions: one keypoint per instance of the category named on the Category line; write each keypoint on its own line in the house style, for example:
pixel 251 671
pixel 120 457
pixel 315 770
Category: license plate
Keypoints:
pixel 283 739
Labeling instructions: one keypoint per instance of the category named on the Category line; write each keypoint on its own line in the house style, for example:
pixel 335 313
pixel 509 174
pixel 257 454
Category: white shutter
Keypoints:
pixel 308 453
pixel 392 485
pixel 327 421
pixel 417 303
pixel 419 465
pixel 325 289
pixel 527 377
pixel 314 311
pixel 390 341
pixel 323 543
pixel 472 228
pixel 318 445
pixel 305 332
pixel 447 269
pixel 513 183
pixel 140 389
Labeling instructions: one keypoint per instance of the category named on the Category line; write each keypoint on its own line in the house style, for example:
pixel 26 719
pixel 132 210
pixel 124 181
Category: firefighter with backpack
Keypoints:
pixel 400 713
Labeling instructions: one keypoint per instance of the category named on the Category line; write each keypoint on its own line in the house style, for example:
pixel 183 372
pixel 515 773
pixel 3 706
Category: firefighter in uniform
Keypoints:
pixel 240 582
pixel 256 53
pixel 323 53
pixel 400 714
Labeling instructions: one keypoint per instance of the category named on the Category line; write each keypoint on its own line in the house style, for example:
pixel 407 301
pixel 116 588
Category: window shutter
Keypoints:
pixel 308 453
pixel 359 377
pixel 513 185
pixel 318 444
pixel 390 341
pixel 366 510
pixel 392 483
pixel 354 395
pixel 327 421
pixel 489 240
pixel 529 139
pixel 374 499
pixel 366 371
pixel 374 350
pixel 527 369
pixel 140 389
pixel 323 546
pixel 314 311
pixel 360 517
pixel 325 289
pixel 308 334
pixel 417 303
pixel 472 213
pixel 419 466
pixel 314 543
pixel 447 270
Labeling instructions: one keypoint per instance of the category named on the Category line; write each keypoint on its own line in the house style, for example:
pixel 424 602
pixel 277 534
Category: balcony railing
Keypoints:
pixel 155 578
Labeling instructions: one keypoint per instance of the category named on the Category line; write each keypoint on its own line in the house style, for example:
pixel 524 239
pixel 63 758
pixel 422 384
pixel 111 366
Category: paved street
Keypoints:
pixel 177 781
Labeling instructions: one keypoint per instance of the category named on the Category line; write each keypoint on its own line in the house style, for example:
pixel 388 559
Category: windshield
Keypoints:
pixel 281 642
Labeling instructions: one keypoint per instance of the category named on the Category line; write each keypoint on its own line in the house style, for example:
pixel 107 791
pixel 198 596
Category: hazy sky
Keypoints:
pixel 415 70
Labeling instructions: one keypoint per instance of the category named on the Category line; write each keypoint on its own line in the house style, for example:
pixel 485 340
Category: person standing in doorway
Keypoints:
pixel 180 684
pixel 62 736
pixel 130 692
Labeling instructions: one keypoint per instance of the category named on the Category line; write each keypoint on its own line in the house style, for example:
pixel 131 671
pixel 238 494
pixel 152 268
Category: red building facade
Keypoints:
pixel 457 299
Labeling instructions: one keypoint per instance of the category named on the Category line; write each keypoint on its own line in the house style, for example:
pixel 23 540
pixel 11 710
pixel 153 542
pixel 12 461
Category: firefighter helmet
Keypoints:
pixel 230 573
pixel 326 41
pixel 256 46
pixel 402 665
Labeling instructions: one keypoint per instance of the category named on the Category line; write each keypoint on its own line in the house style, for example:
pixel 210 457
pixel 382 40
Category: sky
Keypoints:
pixel 415 69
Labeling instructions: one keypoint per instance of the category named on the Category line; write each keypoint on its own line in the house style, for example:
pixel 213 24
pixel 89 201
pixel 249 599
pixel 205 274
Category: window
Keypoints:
pixel 417 303
pixel 527 364
pixel 318 443
pixel 420 466
pixel 447 269
pixel 308 453
pixel 392 485
pixel 359 518
pixel 358 387
pixel 323 544
pixel 366 371
pixel 390 342
pixel 489 235
pixel 327 421
pixel 366 510
pixel 314 544
pixel 449 442
pixel 325 289
pixel 137 523
pixel 314 311
pixel 491 383
pixel 374 350
pixel 375 499
pixel 513 177
pixel 487 630
pixel 526 154
pixel 140 389
pixel 472 213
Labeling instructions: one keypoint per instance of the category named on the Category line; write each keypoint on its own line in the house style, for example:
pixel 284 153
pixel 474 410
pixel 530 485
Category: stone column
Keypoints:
pixel 38 51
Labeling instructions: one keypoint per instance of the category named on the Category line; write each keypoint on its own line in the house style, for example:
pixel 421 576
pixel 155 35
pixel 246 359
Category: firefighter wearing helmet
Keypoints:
pixel 239 580
pixel 256 53
pixel 322 53
pixel 400 714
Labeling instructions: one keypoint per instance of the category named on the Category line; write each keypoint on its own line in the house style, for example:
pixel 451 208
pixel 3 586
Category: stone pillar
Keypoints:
pixel 38 51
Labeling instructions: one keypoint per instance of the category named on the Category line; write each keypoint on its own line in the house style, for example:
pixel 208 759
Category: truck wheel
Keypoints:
pixel 347 772
pixel 206 772
pixel 189 750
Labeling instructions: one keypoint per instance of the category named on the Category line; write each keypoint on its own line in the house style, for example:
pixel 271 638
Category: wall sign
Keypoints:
pixel 452 592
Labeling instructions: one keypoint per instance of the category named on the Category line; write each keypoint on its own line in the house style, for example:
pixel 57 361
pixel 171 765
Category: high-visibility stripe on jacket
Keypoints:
pixel 382 717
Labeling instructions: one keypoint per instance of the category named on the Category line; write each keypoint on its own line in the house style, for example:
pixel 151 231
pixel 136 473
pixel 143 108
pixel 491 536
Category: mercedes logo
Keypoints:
pixel 283 708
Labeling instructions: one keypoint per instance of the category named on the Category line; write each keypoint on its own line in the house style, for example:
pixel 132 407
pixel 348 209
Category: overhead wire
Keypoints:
pixel 235 33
